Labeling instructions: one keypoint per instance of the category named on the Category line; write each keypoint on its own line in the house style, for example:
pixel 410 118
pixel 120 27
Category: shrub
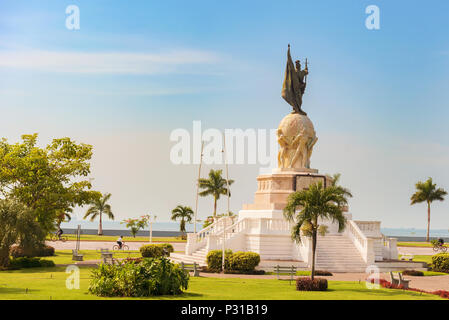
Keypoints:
pixel 42 251
pixel 150 277
pixel 440 262
pixel 168 247
pixel 415 273
pixel 214 260
pixel 244 261
pixel 323 273
pixel 238 262
pixel 26 262
pixel 152 251
pixel 307 284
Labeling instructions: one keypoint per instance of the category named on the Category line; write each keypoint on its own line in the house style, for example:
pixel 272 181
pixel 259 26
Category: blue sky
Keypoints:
pixel 134 72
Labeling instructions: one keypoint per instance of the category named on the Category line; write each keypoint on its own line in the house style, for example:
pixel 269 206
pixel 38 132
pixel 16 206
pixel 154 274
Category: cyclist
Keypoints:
pixel 59 233
pixel 120 242
pixel 440 242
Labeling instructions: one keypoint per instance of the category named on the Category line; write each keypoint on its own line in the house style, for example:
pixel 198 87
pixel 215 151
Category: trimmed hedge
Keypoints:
pixel 307 284
pixel 44 251
pixel 323 273
pixel 214 260
pixel 440 262
pixel 244 261
pixel 150 277
pixel 26 262
pixel 238 262
pixel 156 250
pixel 415 273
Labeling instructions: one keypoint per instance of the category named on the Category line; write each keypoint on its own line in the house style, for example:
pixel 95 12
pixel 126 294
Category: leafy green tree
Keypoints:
pixel 313 204
pixel 97 209
pixel 185 214
pixel 427 192
pixel 134 225
pixel 46 180
pixel 215 186
pixel 17 226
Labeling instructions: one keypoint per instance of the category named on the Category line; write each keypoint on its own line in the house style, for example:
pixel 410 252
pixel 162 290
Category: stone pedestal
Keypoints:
pixel 273 189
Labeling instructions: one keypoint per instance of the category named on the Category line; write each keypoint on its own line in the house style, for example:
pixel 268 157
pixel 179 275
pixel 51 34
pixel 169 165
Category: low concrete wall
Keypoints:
pixel 125 233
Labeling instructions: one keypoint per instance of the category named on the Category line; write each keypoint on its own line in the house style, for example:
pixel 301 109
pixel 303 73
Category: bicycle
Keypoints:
pixel 439 247
pixel 55 237
pixel 116 247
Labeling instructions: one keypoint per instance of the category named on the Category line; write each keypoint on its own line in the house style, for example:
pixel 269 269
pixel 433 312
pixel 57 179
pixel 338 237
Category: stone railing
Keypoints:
pixel 268 225
pixel 370 228
pixel 364 244
pixel 198 240
pixel 228 234
pixel 390 249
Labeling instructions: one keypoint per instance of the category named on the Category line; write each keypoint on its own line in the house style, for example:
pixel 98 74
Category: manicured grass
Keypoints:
pixel 421 258
pixel 65 256
pixel 51 284
pixel 433 273
pixel 93 237
pixel 417 244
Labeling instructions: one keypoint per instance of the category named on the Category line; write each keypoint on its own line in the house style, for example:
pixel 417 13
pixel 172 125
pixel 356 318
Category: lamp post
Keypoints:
pixel 228 193
pixel 150 219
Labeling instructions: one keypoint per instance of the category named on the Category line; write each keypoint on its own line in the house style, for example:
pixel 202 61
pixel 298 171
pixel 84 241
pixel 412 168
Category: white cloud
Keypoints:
pixel 108 62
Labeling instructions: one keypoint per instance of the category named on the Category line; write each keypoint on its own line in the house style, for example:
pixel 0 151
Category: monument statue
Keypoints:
pixel 296 135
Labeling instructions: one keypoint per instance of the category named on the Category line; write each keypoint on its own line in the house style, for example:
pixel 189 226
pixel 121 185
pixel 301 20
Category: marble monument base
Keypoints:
pixel 273 189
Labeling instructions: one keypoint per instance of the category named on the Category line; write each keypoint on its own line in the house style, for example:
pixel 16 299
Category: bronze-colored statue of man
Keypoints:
pixel 294 83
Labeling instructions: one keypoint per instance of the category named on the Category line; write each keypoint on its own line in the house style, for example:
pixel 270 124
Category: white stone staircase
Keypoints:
pixel 198 256
pixel 337 253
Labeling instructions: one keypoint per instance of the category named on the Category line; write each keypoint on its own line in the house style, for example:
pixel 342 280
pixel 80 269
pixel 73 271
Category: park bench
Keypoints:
pixel 400 282
pixel 191 267
pixel 76 256
pixel 285 270
pixel 107 256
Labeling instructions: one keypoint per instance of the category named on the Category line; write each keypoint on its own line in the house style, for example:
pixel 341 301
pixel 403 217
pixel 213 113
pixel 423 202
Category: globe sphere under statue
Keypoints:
pixel 296 137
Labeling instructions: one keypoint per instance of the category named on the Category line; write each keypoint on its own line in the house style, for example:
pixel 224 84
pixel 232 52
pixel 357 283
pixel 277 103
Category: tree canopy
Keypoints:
pixel 47 180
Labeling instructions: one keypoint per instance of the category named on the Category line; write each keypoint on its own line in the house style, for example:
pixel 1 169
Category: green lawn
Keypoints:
pixel 50 284
pixel 417 244
pixel 65 256
pixel 92 237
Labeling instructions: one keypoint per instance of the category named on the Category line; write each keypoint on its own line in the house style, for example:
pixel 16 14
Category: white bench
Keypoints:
pixel 285 270
pixel 76 256
pixel 407 257
pixel 195 267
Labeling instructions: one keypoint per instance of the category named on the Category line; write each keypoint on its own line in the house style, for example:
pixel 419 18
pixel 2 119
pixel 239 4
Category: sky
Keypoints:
pixel 136 71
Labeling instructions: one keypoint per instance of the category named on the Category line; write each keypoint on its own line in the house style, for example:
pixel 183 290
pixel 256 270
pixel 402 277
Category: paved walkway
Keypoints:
pixel 94 245
pixel 430 283
pixel 416 251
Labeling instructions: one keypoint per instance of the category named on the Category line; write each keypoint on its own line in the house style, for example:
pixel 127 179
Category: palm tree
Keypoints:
pixel 315 203
pixel 63 216
pixel 185 214
pixel 427 192
pixel 214 186
pixel 98 208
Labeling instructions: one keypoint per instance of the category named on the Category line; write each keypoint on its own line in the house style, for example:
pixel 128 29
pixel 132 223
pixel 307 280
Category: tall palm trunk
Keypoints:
pixel 428 220
pixel 100 226
pixel 314 236
pixel 215 206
